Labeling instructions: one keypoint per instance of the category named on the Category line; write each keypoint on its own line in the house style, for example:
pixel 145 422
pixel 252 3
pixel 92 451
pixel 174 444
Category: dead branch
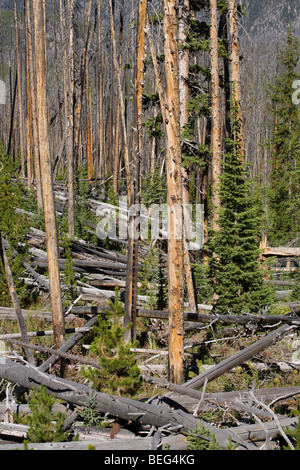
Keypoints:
pixel 124 408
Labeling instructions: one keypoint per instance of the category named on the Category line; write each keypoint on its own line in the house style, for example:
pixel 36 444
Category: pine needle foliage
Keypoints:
pixel 236 270
pixel 284 191
pixel 119 373
pixel 44 426
pixel 201 438
pixel 13 226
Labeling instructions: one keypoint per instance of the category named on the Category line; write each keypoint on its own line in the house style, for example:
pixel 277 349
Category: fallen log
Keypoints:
pixel 255 432
pixel 282 251
pixel 124 408
pixel 239 358
pixel 10 314
pixel 68 345
pixel 32 334
pixel 174 443
pixel 202 317
pixel 85 265
pixel 224 366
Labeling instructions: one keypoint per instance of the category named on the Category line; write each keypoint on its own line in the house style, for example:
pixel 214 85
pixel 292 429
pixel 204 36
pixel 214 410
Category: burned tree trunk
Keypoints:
pixel 46 171
pixel 215 112
pixel 174 189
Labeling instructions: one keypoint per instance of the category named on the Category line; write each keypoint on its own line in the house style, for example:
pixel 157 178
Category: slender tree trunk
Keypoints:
pixel 101 172
pixel 46 171
pixel 33 95
pixel 117 127
pixel 29 136
pixel 184 63
pixel 68 86
pixel 88 121
pixel 174 186
pixel 21 124
pixel 133 241
pixel 234 61
pixel 215 112
pixel 121 99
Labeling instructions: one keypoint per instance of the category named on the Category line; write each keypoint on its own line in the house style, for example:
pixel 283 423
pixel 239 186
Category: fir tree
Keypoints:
pixel 44 426
pixel 237 273
pixel 119 372
pixel 284 193
pixel 13 227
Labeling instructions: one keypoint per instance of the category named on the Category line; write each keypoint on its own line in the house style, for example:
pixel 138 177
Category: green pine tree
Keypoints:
pixel 13 226
pixel 238 275
pixel 119 372
pixel 284 191
pixel 44 426
pixel 201 438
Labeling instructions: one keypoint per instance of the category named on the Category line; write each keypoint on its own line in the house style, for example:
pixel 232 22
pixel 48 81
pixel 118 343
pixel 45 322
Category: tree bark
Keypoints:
pixel 133 240
pixel 101 162
pixel 234 61
pixel 184 64
pixel 19 85
pixel 46 170
pixel 215 112
pixel 174 197
pixel 121 100
pixel 33 95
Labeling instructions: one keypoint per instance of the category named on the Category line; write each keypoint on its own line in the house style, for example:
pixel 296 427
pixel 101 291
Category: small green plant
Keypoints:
pixel 44 426
pixel 89 414
pixel 118 372
pixel 201 438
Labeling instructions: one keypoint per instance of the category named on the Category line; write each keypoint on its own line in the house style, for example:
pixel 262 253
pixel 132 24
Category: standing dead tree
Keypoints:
pixel 46 171
pixel 174 190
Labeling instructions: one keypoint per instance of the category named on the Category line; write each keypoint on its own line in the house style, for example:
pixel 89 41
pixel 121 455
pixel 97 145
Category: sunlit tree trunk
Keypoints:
pixel 215 112
pixel 234 61
pixel 46 171
pixel 184 63
pixel 174 198
pixel 19 90
pixel 32 74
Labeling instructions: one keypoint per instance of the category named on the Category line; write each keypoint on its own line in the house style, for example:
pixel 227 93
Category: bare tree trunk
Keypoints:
pixel 46 170
pixel 184 63
pixel 174 185
pixel 68 84
pixel 33 95
pixel 29 136
pixel 101 165
pixel 121 99
pixel 215 111
pixel 133 241
pixel 234 59
pixel 19 87
pixel 117 127
pixel 88 120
